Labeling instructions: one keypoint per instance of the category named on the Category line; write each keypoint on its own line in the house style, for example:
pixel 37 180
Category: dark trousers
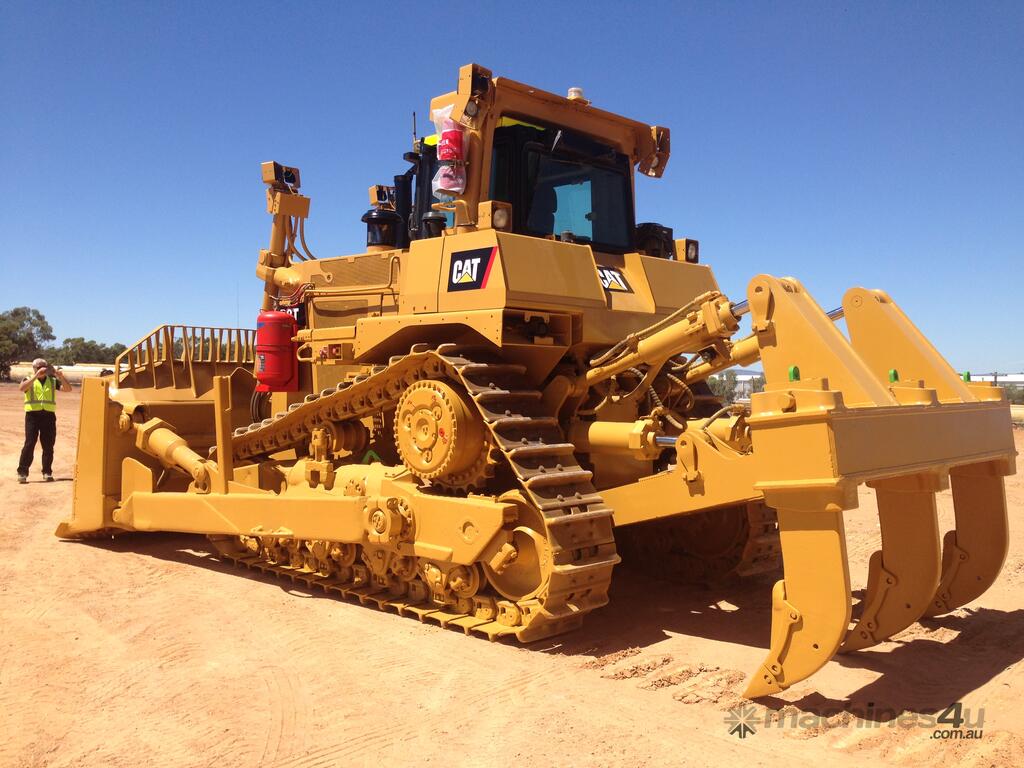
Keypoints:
pixel 41 425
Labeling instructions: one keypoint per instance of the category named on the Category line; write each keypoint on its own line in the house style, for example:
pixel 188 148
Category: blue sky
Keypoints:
pixel 870 144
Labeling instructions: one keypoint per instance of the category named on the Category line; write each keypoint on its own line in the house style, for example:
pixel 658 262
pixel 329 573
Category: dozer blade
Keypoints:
pixel 973 553
pixel 811 605
pixel 904 574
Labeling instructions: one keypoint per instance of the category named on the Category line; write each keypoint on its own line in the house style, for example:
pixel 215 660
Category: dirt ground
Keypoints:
pixel 146 650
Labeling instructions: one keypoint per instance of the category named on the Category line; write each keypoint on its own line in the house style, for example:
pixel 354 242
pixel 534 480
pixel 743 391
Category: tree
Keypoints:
pixel 724 386
pixel 81 350
pixel 1014 393
pixel 23 336
pixel 23 331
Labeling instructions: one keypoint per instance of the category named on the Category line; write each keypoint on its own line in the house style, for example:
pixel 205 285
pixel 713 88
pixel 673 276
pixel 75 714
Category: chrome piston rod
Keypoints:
pixel 743 352
pixel 741 308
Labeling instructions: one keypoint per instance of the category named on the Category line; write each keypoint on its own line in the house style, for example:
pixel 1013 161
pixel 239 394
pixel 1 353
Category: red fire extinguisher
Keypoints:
pixel 277 366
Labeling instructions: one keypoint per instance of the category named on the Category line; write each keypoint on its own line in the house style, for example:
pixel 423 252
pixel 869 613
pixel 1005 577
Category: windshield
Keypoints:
pixel 563 184
pixel 590 202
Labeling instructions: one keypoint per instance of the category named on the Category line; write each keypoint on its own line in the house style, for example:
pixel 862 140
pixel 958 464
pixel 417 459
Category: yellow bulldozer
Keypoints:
pixel 470 420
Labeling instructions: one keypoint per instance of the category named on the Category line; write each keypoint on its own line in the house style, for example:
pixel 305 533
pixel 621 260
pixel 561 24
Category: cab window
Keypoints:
pixel 564 186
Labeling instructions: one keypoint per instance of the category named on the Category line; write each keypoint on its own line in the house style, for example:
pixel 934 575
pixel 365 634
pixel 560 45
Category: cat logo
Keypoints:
pixel 470 269
pixel 612 280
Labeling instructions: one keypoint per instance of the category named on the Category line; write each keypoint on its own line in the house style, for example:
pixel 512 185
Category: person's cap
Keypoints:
pixel 39 363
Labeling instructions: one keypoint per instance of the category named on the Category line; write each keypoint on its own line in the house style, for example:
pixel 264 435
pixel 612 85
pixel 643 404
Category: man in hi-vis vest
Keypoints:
pixel 41 415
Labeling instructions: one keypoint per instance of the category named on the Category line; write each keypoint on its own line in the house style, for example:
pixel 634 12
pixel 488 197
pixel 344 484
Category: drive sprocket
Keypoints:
pixel 441 437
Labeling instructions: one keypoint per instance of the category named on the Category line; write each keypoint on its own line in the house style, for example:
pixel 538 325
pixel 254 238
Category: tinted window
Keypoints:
pixel 590 201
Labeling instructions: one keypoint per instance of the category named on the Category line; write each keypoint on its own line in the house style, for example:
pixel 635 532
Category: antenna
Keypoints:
pixel 414 137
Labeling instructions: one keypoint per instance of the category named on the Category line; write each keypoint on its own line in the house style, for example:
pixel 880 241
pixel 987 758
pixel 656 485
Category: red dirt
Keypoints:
pixel 148 651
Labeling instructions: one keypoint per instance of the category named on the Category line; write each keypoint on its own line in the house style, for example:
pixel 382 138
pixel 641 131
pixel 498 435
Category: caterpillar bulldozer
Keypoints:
pixel 472 419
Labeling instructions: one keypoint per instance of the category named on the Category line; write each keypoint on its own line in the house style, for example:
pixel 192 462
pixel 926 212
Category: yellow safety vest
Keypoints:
pixel 41 396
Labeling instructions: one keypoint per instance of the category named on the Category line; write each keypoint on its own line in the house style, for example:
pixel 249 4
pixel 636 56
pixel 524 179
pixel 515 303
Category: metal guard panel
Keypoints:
pixel 541 272
pixel 880 442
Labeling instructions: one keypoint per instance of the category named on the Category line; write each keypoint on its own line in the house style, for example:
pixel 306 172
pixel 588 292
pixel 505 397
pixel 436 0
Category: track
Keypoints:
pixel 553 487
pixel 738 541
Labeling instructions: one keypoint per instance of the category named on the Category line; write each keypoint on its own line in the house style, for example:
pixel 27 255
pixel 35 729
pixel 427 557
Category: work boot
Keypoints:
pixel 22 479
pixel 48 477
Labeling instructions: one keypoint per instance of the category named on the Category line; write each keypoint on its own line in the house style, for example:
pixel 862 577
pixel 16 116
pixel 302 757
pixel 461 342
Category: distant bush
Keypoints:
pixel 79 350
pixel 1014 393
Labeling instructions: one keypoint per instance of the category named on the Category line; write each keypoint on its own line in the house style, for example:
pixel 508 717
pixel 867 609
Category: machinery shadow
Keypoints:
pixel 643 610
pixel 925 675
pixel 191 549
pixel 186 548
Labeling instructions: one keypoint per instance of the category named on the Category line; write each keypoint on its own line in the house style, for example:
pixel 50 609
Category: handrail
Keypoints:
pixel 187 344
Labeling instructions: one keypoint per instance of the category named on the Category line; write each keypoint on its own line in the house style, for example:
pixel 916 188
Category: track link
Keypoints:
pixel 762 552
pixel 368 593
pixel 579 523
pixel 735 541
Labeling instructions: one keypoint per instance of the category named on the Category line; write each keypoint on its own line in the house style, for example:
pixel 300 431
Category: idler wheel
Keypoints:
pixel 527 574
pixel 440 435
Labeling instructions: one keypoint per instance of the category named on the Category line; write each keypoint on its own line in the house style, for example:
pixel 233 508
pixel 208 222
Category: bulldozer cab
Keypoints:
pixel 560 184
pixel 562 167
